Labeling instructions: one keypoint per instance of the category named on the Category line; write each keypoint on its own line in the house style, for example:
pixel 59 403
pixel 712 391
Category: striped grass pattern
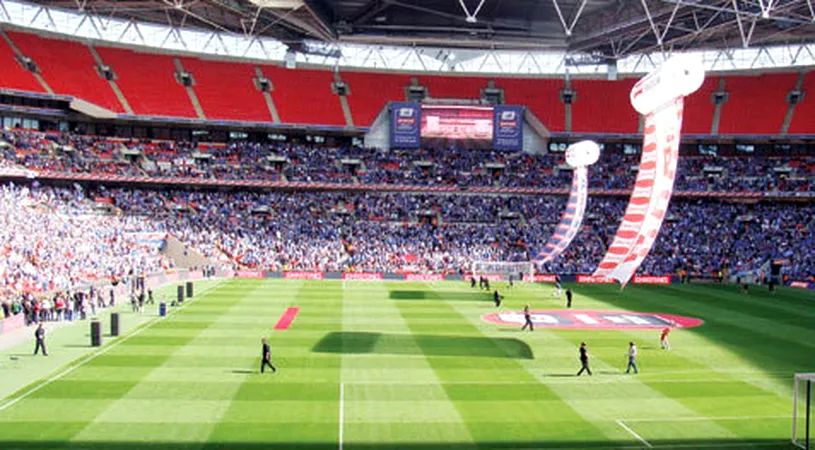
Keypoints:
pixel 412 366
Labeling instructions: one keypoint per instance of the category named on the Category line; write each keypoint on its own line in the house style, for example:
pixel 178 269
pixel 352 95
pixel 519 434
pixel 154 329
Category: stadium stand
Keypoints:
pixel 369 231
pixel 452 168
pixel 752 108
pixel 541 96
pixel 12 75
pixel 597 107
pixel 227 90
pixel 371 91
pixel 699 108
pixel 148 82
pixel 68 67
pixel 803 119
pixel 453 86
pixel 304 96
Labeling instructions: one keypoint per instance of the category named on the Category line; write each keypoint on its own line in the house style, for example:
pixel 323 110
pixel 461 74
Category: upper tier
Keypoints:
pixel 226 90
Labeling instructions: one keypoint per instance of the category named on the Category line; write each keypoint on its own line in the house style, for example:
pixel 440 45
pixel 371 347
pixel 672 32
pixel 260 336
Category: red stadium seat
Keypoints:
pixel 148 82
pixel 757 104
pixel 371 91
pixel 450 86
pixel 803 119
pixel 68 67
pixel 699 108
pixel 12 75
pixel 226 90
pixel 304 96
pixel 604 107
pixel 541 96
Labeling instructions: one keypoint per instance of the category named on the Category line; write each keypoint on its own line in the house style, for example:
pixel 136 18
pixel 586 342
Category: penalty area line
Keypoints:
pixel 633 433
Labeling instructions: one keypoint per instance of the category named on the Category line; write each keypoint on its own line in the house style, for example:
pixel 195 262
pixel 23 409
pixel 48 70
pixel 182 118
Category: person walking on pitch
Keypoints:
pixel 663 338
pixel 558 286
pixel 584 360
pixel 528 319
pixel 568 297
pixel 267 357
pixel 39 334
pixel 497 298
pixel 632 358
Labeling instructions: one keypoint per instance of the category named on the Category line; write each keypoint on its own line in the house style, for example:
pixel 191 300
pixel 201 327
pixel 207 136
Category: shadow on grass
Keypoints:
pixel 503 445
pixel 352 342
pixel 436 295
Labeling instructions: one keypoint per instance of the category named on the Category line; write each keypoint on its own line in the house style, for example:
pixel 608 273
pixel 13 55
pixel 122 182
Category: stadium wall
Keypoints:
pixel 431 277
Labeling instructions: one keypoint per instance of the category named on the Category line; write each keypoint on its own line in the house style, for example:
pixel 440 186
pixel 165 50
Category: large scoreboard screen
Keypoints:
pixel 413 125
pixel 457 122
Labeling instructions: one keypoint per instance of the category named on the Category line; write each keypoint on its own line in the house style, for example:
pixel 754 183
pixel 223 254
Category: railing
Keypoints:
pixel 21 174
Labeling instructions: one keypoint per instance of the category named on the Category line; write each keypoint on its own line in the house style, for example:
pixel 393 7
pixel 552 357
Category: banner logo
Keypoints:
pixel 424 277
pixel 508 128
pixel 248 274
pixel 362 276
pixel 298 275
pixel 594 320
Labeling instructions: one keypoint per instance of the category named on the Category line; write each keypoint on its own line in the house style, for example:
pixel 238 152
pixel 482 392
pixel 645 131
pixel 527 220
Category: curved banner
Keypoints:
pixel 572 217
pixel 659 96
pixel 649 200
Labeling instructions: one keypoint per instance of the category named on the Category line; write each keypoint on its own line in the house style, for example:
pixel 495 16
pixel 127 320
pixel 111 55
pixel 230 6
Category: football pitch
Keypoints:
pixel 373 365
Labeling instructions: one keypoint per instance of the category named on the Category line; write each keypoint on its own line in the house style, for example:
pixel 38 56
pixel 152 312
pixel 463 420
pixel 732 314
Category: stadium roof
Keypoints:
pixel 474 36
pixel 611 28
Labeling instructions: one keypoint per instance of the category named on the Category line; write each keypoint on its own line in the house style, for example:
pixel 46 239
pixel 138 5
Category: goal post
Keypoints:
pixel 505 269
pixel 802 427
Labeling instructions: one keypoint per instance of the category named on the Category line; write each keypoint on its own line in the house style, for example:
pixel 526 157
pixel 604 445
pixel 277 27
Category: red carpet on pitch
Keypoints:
pixel 287 318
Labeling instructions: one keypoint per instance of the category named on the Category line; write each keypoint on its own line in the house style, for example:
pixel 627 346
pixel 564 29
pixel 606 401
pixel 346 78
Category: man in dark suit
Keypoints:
pixel 584 359
pixel 497 298
pixel 267 357
pixel 39 334
pixel 568 297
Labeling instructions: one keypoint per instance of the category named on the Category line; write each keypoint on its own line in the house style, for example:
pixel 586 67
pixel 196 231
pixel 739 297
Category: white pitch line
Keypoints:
pixel 342 412
pixel 93 356
pixel 706 419
pixel 633 433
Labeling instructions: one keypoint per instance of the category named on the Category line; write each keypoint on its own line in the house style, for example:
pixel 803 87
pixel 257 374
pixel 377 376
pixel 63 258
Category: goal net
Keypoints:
pixel 802 426
pixel 520 271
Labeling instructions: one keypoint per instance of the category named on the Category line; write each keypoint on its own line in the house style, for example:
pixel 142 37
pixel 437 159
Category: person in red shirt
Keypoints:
pixel 664 338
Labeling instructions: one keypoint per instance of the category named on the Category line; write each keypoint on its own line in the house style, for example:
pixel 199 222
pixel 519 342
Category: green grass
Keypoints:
pixel 418 369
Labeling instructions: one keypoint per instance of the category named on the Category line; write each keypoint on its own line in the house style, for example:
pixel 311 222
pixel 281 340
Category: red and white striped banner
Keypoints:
pixel 572 217
pixel 652 193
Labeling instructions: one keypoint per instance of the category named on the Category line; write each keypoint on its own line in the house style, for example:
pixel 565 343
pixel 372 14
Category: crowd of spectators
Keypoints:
pixel 53 240
pixel 395 232
pixel 451 167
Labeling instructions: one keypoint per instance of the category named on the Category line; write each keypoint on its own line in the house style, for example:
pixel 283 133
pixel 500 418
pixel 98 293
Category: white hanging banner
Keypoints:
pixel 660 97
pixel 579 156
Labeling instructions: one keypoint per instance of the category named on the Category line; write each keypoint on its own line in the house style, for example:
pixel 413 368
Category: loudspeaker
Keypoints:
pixel 181 294
pixel 114 324
pixel 189 289
pixel 96 333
